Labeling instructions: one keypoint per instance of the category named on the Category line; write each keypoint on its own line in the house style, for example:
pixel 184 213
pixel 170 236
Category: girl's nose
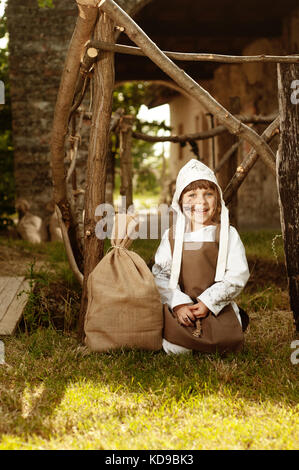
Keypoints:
pixel 200 200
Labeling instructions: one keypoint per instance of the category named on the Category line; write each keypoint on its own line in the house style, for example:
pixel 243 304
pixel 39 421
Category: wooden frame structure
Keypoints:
pixel 100 20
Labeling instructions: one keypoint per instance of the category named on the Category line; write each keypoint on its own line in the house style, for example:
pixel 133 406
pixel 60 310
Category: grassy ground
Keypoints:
pixel 57 395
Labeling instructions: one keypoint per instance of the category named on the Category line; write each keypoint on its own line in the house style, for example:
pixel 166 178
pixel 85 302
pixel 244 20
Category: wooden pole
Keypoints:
pixel 203 134
pixel 83 29
pixel 234 126
pixel 248 162
pixel 110 176
pixel 125 144
pixel 225 142
pixel 198 57
pixel 103 86
pixel 288 179
pixel 226 157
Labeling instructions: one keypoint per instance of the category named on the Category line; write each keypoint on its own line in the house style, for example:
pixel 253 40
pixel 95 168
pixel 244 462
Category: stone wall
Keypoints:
pixel 256 87
pixel 38 45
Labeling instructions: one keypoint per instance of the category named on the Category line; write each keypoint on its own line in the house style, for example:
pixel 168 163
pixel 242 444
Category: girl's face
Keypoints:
pixel 199 205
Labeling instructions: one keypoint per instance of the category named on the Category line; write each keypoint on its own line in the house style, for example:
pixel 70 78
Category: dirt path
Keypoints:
pixel 15 260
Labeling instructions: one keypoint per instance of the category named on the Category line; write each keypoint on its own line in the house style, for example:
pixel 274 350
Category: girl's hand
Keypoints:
pixel 199 310
pixel 184 315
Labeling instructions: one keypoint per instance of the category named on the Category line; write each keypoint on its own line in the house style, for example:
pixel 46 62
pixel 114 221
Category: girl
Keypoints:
pixel 200 267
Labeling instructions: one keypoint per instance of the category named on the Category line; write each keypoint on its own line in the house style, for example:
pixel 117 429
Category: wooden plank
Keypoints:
pixel 3 283
pixel 14 312
pixel 8 293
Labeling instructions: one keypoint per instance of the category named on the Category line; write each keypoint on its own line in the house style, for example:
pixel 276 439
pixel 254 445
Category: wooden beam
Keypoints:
pixel 203 134
pixel 126 165
pixel 233 125
pixel 248 162
pixel 13 298
pixel 67 89
pixel 84 26
pixel 103 86
pixel 196 56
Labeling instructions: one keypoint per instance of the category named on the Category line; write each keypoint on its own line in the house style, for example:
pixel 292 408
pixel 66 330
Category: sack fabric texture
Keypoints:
pixel 124 305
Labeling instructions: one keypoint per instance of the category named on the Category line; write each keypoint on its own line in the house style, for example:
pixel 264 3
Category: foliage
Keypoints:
pixel 45 3
pixel 54 294
pixel 146 165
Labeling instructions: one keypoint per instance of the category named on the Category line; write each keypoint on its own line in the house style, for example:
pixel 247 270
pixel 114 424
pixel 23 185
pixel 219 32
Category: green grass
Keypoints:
pixel 266 244
pixel 55 394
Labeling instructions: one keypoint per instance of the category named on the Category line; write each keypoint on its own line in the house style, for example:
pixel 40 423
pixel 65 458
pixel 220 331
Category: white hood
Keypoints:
pixel 192 171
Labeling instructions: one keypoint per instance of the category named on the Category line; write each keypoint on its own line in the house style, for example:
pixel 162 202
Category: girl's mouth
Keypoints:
pixel 201 211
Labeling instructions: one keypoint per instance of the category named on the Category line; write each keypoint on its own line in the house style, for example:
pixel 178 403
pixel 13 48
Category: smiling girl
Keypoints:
pixel 200 267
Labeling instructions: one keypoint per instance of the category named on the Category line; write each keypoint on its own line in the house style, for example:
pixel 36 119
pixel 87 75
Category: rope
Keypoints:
pixel 116 246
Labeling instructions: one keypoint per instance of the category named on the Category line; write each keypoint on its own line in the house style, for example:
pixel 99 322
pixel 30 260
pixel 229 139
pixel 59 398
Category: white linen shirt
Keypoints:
pixel 219 294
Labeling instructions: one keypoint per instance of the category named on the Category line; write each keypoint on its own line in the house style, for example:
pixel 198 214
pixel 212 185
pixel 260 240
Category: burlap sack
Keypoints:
pixel 124 306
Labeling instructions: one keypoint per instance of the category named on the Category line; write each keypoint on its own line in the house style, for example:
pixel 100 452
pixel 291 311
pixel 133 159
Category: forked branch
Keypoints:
pixel 234 125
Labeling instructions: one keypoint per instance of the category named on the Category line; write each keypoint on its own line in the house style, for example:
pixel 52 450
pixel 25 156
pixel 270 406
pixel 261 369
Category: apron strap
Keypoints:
pixel 217 234
pixel 171 239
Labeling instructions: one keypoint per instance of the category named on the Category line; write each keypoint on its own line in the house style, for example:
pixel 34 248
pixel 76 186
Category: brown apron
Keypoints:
pixel 222 333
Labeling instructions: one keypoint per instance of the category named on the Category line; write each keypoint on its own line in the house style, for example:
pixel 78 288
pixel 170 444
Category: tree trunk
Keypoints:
pixel 84 27
pixel 287 179
pixel 110 177
pixel 103 85
pixel 125 145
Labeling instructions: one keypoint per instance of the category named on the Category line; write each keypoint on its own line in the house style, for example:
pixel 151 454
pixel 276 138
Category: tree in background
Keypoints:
pixel 147 166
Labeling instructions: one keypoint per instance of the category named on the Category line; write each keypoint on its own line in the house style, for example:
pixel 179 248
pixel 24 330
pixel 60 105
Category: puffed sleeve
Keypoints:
pixel 220 294
pixel 161 271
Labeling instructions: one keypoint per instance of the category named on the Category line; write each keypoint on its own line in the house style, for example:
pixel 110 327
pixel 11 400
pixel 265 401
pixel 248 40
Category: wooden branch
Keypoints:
pixel 116 118
pixel 226 156
pixel 89 59
pixel 68 248
pixel 248 162
pixel 180 138
pixel 76 138
pixel 287 180
pixel 88 3
pixel 84 26
pixel 165 83
pixel 125 144
pixel 234 126
pixel 204 134
pixel 83 29
pixel 197 57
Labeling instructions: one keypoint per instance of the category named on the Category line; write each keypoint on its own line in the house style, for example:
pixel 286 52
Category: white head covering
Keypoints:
pixel 192 171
